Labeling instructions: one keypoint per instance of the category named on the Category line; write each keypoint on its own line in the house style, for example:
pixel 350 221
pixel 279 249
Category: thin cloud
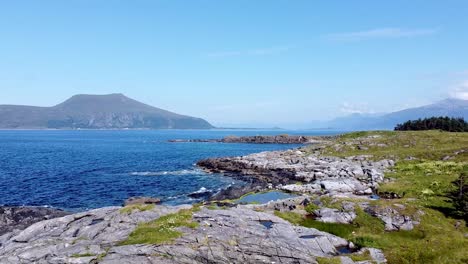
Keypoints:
pixel 251 52
pixel 460 91
pixel 381 33
pixel 351 108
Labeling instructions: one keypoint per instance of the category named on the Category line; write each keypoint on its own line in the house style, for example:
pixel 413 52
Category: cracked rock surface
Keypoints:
pixel 235 235
pixel 356 175
pixel 57 240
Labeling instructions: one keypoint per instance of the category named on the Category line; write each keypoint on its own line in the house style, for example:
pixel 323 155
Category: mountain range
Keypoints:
pixel 447 107
pixel 112 111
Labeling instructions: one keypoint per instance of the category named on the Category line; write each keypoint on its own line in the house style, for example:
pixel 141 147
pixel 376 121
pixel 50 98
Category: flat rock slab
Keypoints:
pixel 89 233
pixel 234 235
pixel 237 235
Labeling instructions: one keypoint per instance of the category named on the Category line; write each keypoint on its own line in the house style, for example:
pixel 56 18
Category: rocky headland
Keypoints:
pixel 335 215
pixel 279 139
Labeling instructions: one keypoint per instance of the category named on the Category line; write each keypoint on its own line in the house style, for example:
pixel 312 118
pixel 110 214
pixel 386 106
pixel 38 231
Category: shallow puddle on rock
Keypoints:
pixel 309 236
pixel 344 250
pixel 262 198
pixel 266 223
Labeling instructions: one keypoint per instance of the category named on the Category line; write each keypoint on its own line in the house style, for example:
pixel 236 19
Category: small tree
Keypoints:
pixel 459 195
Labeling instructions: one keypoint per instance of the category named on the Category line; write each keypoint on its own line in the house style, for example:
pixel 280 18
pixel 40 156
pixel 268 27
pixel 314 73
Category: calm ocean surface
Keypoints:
pixel 80 170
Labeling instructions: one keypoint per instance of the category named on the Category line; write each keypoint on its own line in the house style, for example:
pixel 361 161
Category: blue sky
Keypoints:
pixel 243 62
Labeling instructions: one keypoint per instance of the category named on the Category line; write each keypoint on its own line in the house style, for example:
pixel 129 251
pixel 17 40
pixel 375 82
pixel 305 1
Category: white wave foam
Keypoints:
pixel 202 190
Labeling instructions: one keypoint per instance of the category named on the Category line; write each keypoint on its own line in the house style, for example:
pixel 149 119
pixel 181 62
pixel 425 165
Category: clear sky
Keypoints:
pixel 239 62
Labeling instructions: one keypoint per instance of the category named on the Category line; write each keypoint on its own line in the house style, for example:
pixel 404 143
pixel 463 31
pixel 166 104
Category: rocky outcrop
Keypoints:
pixel 236 235
pixel 356 175
pixel 280 139
pixel 332 215
pixel 142 200
pixel 20 217
pixel 395 216
pixel 63 240
pixel 264 239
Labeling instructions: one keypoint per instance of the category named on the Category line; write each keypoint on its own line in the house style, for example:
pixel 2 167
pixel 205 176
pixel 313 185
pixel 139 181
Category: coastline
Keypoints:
pixel 338 191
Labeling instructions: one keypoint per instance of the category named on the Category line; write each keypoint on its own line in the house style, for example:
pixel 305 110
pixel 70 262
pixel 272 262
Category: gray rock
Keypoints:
pixel 142 200
pixel 20 217
pixel 356 175
pixel 235 235
pixel 55 240
pixel 393 219
pixel 329 215
pixel 377 255
pixel 263 238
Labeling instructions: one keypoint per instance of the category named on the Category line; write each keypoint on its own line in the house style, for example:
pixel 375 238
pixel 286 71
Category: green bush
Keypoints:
pixel 459 195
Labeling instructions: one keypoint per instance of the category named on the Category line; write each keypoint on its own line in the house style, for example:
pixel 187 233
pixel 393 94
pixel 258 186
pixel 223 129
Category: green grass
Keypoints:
pixel 311 208
pixel 361 257
pixel 136 207
pixel 334 260
pixel 423 179
pixel 423 183
pixel 341 230
pixel 291 217
pixel 162 230
pixel 428 145
pixel 435 240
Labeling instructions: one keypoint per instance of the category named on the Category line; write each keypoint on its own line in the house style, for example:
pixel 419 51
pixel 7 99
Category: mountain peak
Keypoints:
pixel 98 111
pixel 104 103
pixel 98 96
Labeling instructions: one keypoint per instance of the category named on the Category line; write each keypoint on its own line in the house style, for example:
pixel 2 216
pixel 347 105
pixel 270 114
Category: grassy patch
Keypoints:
pixel 361 257
pixel 422 179
pixel 427 145
pixel 435 240
pixel 136 207
pixel 334 260
pixel 331 202
pixel 162 230
pixel 310 208
pixel 291 217
pixel 341 230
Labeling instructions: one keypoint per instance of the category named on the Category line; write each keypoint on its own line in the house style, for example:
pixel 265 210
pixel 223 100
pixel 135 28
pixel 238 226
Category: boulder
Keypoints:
pixel 142 200
pixel 394 217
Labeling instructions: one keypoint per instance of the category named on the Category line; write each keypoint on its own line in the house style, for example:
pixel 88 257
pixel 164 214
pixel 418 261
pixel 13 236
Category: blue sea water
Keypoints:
pixel 83 169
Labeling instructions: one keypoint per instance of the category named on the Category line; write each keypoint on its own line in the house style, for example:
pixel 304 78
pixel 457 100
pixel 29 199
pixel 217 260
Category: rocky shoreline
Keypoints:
pixel 279 139
pixel 316 174
pixel 222 231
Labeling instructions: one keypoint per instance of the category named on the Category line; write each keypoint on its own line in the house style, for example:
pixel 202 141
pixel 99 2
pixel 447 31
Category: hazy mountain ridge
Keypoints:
pixel 448 107
pixel 113 111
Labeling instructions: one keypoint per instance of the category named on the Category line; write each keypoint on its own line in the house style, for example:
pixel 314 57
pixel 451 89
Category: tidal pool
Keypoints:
pixel 261 198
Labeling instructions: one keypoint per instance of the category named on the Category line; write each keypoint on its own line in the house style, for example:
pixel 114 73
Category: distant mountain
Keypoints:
pixel 448 107
pixel 113 111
